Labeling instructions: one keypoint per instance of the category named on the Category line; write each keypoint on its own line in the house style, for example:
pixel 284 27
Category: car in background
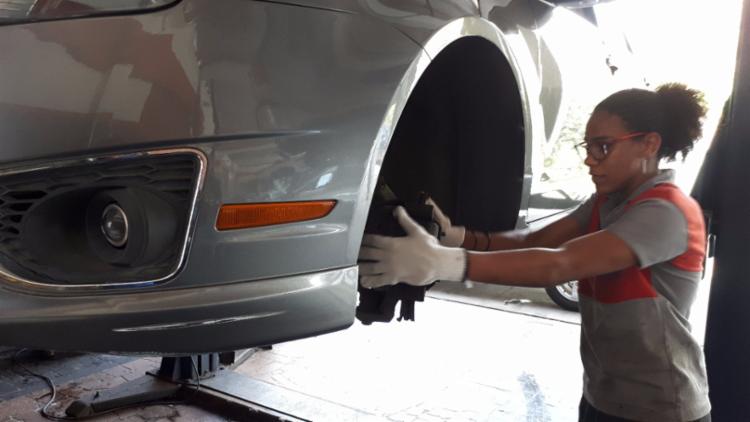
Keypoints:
pixel 195 176
pixel 565 295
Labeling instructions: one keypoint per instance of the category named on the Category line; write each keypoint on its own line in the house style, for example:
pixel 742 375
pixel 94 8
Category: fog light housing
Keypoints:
pixel 115 225
pixel 130 227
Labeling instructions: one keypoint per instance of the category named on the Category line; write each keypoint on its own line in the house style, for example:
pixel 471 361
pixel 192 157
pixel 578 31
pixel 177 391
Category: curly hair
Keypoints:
pixel 674 111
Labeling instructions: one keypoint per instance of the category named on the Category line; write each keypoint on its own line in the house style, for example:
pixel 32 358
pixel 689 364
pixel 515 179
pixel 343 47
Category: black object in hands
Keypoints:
pixel 379 305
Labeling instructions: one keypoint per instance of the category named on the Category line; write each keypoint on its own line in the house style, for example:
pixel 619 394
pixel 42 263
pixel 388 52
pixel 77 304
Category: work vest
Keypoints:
pixel 633 282
pixel 640 360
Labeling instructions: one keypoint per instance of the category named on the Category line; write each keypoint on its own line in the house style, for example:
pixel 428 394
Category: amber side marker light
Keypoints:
pixel 243 216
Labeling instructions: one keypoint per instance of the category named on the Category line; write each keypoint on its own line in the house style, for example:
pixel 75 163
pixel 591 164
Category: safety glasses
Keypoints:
pixel 599 148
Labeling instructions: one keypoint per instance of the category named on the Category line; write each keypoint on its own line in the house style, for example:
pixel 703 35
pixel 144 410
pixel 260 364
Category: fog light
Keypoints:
pixel 114 225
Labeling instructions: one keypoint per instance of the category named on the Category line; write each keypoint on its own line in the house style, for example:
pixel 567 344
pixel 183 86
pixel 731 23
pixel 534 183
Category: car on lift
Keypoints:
pixel 194 176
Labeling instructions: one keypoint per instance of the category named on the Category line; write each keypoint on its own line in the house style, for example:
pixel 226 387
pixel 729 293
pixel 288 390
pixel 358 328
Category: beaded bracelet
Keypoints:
pixel 473 240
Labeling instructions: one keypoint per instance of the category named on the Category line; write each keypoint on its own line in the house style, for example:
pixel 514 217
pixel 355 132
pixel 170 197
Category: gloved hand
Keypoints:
pixel 417 259
pixel 452 236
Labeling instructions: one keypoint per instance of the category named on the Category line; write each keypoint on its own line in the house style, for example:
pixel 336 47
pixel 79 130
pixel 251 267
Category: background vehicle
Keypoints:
pixel 190 106
pixel 565 295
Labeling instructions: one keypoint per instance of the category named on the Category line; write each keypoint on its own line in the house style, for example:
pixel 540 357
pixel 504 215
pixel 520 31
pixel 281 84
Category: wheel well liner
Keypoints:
pixel 461 137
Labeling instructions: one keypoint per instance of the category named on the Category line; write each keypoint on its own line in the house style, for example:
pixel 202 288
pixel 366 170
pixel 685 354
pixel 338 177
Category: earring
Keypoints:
pixel 644 165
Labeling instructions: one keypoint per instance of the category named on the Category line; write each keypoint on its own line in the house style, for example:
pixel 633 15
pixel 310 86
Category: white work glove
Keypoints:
pixel 452 236
pixel 417 259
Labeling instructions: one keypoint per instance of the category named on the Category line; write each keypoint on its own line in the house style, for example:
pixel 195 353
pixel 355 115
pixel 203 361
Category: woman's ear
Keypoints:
pixel 652 141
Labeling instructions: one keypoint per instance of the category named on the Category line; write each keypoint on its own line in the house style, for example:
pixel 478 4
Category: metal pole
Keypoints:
pixel 724 189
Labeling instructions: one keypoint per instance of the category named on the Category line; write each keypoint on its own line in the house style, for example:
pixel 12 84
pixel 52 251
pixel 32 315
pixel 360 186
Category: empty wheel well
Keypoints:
pixel 460 137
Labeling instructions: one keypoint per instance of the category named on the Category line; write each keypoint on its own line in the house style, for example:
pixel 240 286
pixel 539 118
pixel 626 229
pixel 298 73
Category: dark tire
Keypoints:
pixel 565 295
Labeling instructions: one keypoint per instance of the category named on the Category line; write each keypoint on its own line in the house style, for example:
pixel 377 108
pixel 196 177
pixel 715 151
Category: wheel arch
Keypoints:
pixel 463 32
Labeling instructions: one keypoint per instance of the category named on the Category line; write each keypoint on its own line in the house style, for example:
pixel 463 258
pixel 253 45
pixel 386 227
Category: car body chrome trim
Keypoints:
pixel 12 280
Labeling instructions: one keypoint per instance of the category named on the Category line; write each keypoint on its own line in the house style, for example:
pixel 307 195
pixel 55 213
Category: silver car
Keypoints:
pixel 193 176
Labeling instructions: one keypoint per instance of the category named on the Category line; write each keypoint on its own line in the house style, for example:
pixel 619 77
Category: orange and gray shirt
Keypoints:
pixel 640 360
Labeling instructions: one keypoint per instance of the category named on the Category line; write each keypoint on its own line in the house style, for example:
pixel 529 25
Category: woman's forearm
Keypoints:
pixel 550 236
pixel 528 267
pixel 477 240
pixel 597 253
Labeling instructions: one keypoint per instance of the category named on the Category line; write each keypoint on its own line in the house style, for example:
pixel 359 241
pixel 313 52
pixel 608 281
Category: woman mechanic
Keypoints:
pixel 637 246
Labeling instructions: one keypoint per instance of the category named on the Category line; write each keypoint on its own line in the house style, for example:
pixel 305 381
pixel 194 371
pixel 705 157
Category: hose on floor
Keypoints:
pixel 53 391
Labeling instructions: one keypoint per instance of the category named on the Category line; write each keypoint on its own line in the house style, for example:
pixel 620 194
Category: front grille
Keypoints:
pixel 172 177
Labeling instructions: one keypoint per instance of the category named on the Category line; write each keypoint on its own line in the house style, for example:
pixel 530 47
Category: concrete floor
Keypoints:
pixel 510 355
pixel 456 362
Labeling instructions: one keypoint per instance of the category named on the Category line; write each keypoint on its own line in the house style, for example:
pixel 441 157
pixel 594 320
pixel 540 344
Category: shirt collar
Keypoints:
pixel 664 176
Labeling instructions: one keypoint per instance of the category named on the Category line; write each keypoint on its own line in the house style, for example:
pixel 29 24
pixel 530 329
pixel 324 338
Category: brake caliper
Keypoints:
pixel 379 305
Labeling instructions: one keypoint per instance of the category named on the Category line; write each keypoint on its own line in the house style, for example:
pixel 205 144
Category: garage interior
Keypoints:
pixel 487 353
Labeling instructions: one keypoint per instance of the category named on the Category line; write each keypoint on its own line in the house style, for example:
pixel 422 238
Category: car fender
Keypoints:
pixel 455 30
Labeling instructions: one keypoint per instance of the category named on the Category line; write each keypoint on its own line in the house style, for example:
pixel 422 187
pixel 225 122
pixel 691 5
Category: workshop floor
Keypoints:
pixel 486 354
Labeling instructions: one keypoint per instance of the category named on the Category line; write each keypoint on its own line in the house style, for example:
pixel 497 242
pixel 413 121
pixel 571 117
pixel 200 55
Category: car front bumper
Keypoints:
pixel 178 322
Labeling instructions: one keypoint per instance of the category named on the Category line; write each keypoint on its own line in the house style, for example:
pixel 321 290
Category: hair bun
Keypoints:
pixel 684 110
